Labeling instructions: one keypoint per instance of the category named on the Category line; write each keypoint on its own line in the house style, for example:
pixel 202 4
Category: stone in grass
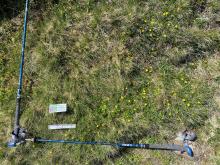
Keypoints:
pixel 54 108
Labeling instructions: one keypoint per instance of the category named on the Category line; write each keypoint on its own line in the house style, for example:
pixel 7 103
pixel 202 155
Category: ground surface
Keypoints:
pixel 130 71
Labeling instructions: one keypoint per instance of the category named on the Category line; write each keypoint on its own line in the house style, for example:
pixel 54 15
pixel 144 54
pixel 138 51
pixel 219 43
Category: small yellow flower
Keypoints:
pixel 165 13
pixel 145 20
pixel 174 94
pixel 188 104
pixel 183 100
pixel 152 22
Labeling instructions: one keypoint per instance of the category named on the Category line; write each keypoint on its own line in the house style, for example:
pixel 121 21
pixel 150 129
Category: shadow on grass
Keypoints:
pixel 9 9
pixel 12 8
pixel 198 52
pixel 187 59
pixel 131 135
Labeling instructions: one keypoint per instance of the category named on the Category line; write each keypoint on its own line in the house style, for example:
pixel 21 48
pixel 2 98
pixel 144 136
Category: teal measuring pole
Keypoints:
pixel 15 134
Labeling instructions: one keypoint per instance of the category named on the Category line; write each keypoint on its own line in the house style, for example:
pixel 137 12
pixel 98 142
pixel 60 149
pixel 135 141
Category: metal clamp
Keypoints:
pixel 17 139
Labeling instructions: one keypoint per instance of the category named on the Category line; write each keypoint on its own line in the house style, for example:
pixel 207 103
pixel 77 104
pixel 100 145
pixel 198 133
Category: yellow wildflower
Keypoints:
pixel 165 13
pixel 152 22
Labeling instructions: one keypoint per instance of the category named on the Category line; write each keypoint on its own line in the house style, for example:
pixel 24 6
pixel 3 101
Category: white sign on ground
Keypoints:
pixel 54 108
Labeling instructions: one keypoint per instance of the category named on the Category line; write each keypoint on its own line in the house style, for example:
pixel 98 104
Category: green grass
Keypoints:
pixel 130 71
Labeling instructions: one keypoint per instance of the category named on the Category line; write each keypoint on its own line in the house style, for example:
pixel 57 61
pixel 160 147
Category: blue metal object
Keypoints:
pixel 188 150
pixel 11 144
pixel 171 147
pixel 15 139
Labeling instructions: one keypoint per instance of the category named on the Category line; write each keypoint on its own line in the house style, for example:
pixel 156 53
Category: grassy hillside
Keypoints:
pixel 130 71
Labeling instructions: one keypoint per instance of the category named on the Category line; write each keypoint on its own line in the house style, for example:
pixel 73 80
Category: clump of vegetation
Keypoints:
pixel 127 70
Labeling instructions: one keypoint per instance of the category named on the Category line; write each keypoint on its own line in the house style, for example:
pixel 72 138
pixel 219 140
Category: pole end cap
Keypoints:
pixel 188 150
